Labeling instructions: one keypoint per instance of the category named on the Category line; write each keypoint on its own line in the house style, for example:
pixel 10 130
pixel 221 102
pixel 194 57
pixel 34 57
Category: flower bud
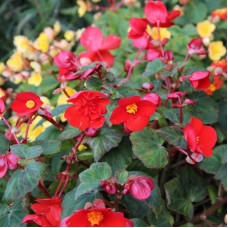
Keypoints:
pixel 147 86
pixel 91 132
pixel 189 102
pixel 109 185
pixel 12 160
pixel 154 98
pixel 195 158
pixel 139 187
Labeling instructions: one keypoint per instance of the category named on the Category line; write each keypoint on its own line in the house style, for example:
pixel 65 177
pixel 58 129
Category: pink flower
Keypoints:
pixel 154 98
pixel 153 54
pixel 8 161
pixel 139 187
pixel 2 105
pixel 98 47
pixel 195 47
pixel 200 79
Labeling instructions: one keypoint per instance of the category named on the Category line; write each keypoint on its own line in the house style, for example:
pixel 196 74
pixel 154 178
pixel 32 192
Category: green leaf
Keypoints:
pixel 70 204
pixel 121 176
pixel 213 163
pixel 69 133
pixel 123 154
pixel 4 145
pixel 11 216
pixel 49 146
pixel 147 147
pixel 23 181
pixel 204 105
pixel 25 151
pixel 173 135
pixel 153 67
pixel 93 83
pixel 196 11
pixel 222 175
pixel 90 179
pixel 183 190
pixel 104 141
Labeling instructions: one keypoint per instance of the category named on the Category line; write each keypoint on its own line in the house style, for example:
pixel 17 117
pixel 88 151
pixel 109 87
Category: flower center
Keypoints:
pixel 212 88
pixel 132 108
pixel 30 104
pixel 197 139
pixel 95 217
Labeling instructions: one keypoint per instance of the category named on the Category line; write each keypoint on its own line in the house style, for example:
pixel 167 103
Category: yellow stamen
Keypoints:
pixel 132 108
pixel 95 217
pixel 212 88
pixel 30 104
pixel 197 139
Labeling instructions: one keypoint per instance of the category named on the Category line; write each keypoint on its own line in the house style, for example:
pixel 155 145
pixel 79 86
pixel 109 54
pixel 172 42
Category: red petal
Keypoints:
pixel 208 137
pixel 119 115
pixel 92 38
pixel 204 83
pixel 81 122
pixel 111 42
pixel 12 160
pixel 156 11
pixel 199 75
pixel 37 219
pixel 105 56
pixel 153 54
pixel 206 151
pixel 173 15
pixel 136 123
pixel 140 190
pixel 2 105
pixel 3 166
pixel 145 108
pixel 190 137
pixel 142 42
pixel 129 100
pixel 97 123
pixel 139 25
pixel 197 125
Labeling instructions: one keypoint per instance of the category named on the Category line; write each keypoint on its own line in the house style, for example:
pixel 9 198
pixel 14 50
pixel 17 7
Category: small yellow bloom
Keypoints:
pixel 35 79
pixel 164 33
pixel 82 7
pixel 2 67
pixel 82 147
pixel 35 66
pixel 16 62
pixel 62 99
pixel 96 1
pixel 216 50
pixel 205 28
pixel 42 42
pixel 69 35
pixel 2 93
pixel 57 27
pixel 22 43
pixel 45 101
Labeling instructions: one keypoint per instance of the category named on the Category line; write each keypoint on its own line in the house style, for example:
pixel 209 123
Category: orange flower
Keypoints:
pixel 220 13
pixel 216 85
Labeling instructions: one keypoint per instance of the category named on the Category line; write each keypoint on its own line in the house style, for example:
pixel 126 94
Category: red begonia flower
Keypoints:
pixel 200 139
pixel 216 85
pixel 139 187
pixel 26 103
pixel 48 212
pixel 96 217
pixel 200 79
pixel 156 12
pixel 138 27
pixel 142 42
pixel 88 109
pixel 133 112
pixel 97 46
pixel 195 47
pixel 8 161
pixel 154 98
pixel 67 63
pixel 220 13
pixel 219 68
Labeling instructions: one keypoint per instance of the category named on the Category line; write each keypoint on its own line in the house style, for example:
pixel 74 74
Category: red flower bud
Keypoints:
pixel 139 187
pixel 91 132
pixel 200 79
pixel 154 98
pixel 109 185
pixel 147 86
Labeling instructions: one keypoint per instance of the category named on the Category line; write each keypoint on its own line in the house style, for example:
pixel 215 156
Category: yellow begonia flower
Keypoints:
pixel 45 101
pixel 164 33
pixel 82 147
pixel 96 1
pixel 42 42
pixel 16 62
pixel 82 7
pixel 69 35
pixel 62 99
pixel 205 28
pixel 57 27
pixel 216 50
pixel 2 93
pixel 22 43
pixel 2 67
pixel 54 52
pixel 35 79
pixel 35 66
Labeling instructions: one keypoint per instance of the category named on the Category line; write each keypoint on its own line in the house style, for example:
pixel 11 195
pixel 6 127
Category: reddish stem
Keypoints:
pixel 43 189
pixel 27 128
pixel 51 120
pixel 159 37
pixel 132 65
pixel 65 92
pixel 10 128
